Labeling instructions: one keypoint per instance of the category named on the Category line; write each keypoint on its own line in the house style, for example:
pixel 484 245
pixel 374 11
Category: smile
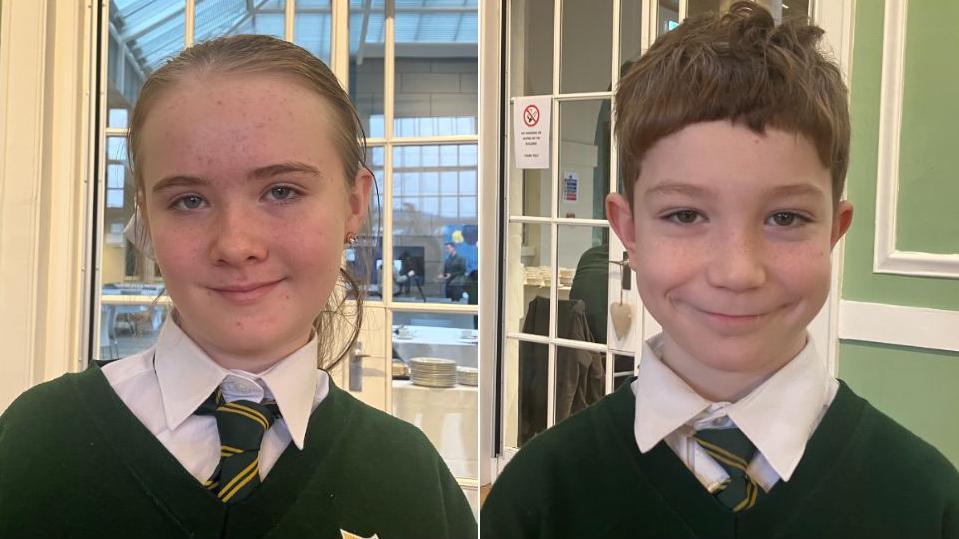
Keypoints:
pixel 734 317
pixel 246 293
pixel 726 322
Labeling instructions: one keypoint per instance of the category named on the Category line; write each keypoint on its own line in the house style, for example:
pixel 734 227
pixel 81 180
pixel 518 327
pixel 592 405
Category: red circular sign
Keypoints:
pixel 531 115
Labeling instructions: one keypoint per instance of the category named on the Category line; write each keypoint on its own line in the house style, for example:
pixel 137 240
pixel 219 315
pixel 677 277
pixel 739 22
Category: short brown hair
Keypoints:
pixel 250 54
pixel 739 67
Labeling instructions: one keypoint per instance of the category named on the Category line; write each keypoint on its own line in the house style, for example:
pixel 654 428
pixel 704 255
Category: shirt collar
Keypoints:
pixel 187 376
pixel 779 416
pixel 664 402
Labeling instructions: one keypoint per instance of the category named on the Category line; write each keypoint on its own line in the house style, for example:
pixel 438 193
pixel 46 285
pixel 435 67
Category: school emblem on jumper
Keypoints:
pixel 347 535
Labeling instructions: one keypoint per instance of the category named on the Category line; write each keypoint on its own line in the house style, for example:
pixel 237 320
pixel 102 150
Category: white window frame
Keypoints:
pixel 836 17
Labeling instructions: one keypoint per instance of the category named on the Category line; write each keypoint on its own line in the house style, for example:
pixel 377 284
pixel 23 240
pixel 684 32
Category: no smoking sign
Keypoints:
pixel 531 119
pixel 531 115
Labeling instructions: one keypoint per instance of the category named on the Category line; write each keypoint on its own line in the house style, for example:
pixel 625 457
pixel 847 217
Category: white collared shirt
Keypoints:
pixel 778 417
pixel 166 383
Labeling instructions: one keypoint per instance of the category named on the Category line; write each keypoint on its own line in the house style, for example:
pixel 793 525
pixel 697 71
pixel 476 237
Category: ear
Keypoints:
pixel 359 200
pixel 621 220
pixel 841 221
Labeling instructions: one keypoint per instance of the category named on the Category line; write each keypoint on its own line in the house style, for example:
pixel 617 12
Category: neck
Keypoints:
pixel 722 385
pixel 253 360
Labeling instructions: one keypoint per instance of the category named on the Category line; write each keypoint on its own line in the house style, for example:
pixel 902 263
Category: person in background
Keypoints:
pixel 454 273
pixel 735 139
pixel 248 159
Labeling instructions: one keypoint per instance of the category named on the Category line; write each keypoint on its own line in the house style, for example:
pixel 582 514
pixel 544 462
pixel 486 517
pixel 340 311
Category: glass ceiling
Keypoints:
pixel 152 30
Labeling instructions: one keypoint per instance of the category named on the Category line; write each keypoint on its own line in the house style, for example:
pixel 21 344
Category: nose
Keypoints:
pixel 238 238
pixel 738 262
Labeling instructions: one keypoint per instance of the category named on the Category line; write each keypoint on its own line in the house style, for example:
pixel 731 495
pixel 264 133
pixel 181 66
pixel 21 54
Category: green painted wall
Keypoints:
pixel 883 374
pixel 916 387
pixel 859 283
pixel 928 215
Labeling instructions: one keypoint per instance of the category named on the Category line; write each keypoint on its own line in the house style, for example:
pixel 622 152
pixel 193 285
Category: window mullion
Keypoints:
pixel 288 21
pixel 189 15
pixel 340 41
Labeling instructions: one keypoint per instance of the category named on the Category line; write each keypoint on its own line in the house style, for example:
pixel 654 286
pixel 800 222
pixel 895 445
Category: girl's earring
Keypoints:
pixel 350 239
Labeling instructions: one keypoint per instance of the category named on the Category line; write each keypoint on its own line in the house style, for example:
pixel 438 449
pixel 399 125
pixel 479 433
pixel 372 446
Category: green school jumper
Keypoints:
pixel 862 476
pixel 76 463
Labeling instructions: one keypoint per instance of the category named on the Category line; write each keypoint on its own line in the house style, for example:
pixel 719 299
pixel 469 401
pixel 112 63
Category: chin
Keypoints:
pixel 249 338
pixel 746 356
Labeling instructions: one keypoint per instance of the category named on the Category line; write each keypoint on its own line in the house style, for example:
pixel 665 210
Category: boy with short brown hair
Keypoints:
pixel 735 140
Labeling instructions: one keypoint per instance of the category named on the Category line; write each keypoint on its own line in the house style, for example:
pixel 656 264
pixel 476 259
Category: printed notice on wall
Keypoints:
pixel 570 187
pixel 531 131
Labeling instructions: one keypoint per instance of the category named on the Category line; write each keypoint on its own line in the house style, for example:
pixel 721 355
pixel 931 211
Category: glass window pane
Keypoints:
pixel 668 16
pixel 582 277
pixel 583 158
pixel 467 182
pixel 363 259
pixel 630 33
pixel 467 155
pixel 147 34
pixel 430 184
pixel 530 190
pixel 430 215
pixel 410 156
pixel 127 328
pixel 115 199
pixel 377 157
pixel 580 380
pixel 528 278
pixel 410 184
pixel 697 7
pixel 623 369
pixel 525 380
pixel 439 397
pixel 778 8
pixel 312 28
pixel 115 176
pixel 216 18
pixel 447 336
pixel 436 69
pixel 531 47
pixel 116 149
pixel 449 156
pixel 449 207
pixel 130 313
pixel 586 46
pixel 467 206
pixel 366 29
pixel 795 8
pixel 117 118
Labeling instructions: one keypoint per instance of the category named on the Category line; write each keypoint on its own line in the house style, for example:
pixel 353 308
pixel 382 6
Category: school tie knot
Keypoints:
pixel 241 424
pixel 733 451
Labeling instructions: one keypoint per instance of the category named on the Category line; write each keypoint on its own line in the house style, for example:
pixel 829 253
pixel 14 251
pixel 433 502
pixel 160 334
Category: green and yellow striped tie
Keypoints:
pixel 242 425
pixel 733 451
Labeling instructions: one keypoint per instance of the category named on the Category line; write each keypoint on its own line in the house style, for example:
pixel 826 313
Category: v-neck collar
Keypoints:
pixel 181 496
pixel 701 511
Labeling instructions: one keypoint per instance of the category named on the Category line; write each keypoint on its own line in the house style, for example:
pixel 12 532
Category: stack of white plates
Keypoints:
pixel 537 275
pixel 433 372
pixel 467 376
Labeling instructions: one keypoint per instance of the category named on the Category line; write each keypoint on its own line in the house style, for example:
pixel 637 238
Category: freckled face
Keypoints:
pixel 730 236
pixel 247 206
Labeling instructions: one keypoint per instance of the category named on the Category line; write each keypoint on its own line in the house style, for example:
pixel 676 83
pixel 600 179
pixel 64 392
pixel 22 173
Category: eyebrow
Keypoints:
pixel 676 188
pixel 186 180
